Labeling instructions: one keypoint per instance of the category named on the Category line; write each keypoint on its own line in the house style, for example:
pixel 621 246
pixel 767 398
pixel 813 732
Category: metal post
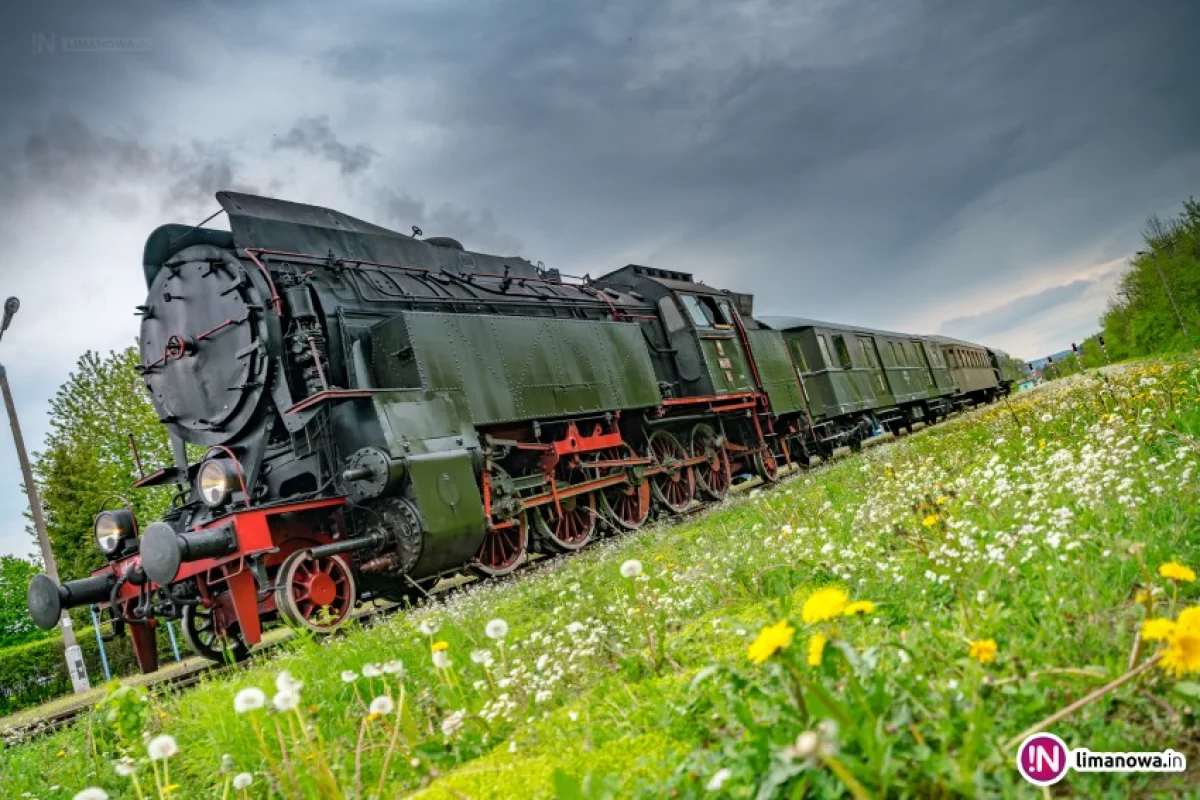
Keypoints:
pixel 74 656
pixel 174 644
pixel 1162 276
pixel 100 643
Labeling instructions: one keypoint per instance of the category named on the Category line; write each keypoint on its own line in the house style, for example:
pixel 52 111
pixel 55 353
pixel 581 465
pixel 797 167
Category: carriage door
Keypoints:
pixel 925 362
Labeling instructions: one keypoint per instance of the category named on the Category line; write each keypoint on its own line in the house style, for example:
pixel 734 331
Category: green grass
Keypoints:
pixel 1033 522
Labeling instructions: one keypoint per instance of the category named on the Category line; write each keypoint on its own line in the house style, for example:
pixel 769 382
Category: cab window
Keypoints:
pixel 704 311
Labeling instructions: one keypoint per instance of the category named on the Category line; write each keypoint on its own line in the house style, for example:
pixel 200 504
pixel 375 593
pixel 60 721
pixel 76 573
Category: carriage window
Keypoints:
pixel 670 315
pixel 824 345
pixel 798 355
pixel 726 311
pixel 922 359
pixel 839 344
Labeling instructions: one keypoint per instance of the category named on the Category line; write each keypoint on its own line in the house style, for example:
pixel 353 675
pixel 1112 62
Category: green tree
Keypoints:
pixel 1141 318
pixel 87 462
pixel 15 625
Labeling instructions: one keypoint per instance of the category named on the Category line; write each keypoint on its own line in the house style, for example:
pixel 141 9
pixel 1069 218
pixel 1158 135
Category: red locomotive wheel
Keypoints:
pixel 200 631
pixel 626 505
pixel 568 531
pixel 315 593
pixel 675 487
pixel 766 465
pixel 712 475
pixel 503 549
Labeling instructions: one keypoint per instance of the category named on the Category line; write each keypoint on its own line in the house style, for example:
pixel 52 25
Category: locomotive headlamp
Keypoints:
pixel 215 482
pixel 112 529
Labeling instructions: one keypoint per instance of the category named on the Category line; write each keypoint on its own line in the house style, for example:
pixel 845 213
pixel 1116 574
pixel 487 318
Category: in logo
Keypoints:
pixel 1042 759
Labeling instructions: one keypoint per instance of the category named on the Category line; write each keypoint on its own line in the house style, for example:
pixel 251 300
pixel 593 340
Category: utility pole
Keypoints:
pixel 1162 276
pixel 75 666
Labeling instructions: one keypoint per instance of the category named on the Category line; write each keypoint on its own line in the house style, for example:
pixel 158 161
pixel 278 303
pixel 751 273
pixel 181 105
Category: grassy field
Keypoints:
pixel 1008 559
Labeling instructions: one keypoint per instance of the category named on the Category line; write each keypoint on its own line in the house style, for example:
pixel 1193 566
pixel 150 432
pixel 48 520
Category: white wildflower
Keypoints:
pixel 242 780
pixel 453 723
pixel 496 629
pixel 382 706
pixel 631 568
pixel 371 671
pixel 161 747
pixel 92 793
pixel 441 659
pixel 718 779
pixel 349 676
pixel 284 682
pixel 286 701
pixel 250 699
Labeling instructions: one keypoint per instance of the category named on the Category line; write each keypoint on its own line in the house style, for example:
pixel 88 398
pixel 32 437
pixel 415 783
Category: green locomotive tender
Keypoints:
pixel 379 411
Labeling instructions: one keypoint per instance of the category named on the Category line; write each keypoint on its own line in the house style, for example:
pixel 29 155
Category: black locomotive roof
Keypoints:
pixel 270 224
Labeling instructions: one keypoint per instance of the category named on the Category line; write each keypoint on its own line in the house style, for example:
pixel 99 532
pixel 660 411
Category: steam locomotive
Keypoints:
pixel 379 410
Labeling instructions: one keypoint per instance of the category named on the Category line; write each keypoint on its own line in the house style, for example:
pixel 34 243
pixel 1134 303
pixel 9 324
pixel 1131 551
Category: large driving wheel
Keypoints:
pixel 766 465
pixel 675 486
pixel 712 474
pixel 503 549
pixel 200 631
pixel 569 530
pixel 625 505
pixel 315 593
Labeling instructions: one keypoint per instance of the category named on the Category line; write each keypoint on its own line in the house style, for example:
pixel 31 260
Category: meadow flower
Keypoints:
pixel 496 629
pixel 371 671
pixel 394 667
pixel 483 657
pixel 349 676
pixel 242 780
pixel 1177 572
pixel 930 520
pixel 816 649
pixel 718 779
pixel 161 747
pixel 429 626
pixel 824 604
pixel 440 646
pixel 1157 630
pixel 771 639
pixel 286 701
pixel 806 746
pixel 91 793
pixel 1189 619
pixel 574 628
pixel 631 568
pixel 284 682
pixel 983 650
pixel 382 706
pixel 859 607
pixel 250 699
pixel 441 659
pixel 125 767
pixel 453 723
pixel 1182 656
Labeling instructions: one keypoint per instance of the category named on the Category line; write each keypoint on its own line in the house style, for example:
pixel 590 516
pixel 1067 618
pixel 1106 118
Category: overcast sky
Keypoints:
pixel 979 169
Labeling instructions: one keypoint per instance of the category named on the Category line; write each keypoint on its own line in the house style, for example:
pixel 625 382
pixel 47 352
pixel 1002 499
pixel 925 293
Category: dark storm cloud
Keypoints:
pixel 315 136
pixel 66 161
pixel 985 326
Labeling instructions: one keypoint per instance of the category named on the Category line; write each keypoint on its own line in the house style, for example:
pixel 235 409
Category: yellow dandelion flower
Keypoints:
pixel 930 520
pixel 859 607
pixel 1177 572
pixel 983 650
pixel 1157 630
pixel 1189 619
pixel 1041 444
pixel 439 646
pixel 816 649
pixel 824 604
pixel 1183 655
pixel 1143 596
pixel 771 639
pixel 941 501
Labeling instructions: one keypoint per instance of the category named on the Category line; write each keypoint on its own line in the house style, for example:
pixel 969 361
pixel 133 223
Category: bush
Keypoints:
pixel 36 672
